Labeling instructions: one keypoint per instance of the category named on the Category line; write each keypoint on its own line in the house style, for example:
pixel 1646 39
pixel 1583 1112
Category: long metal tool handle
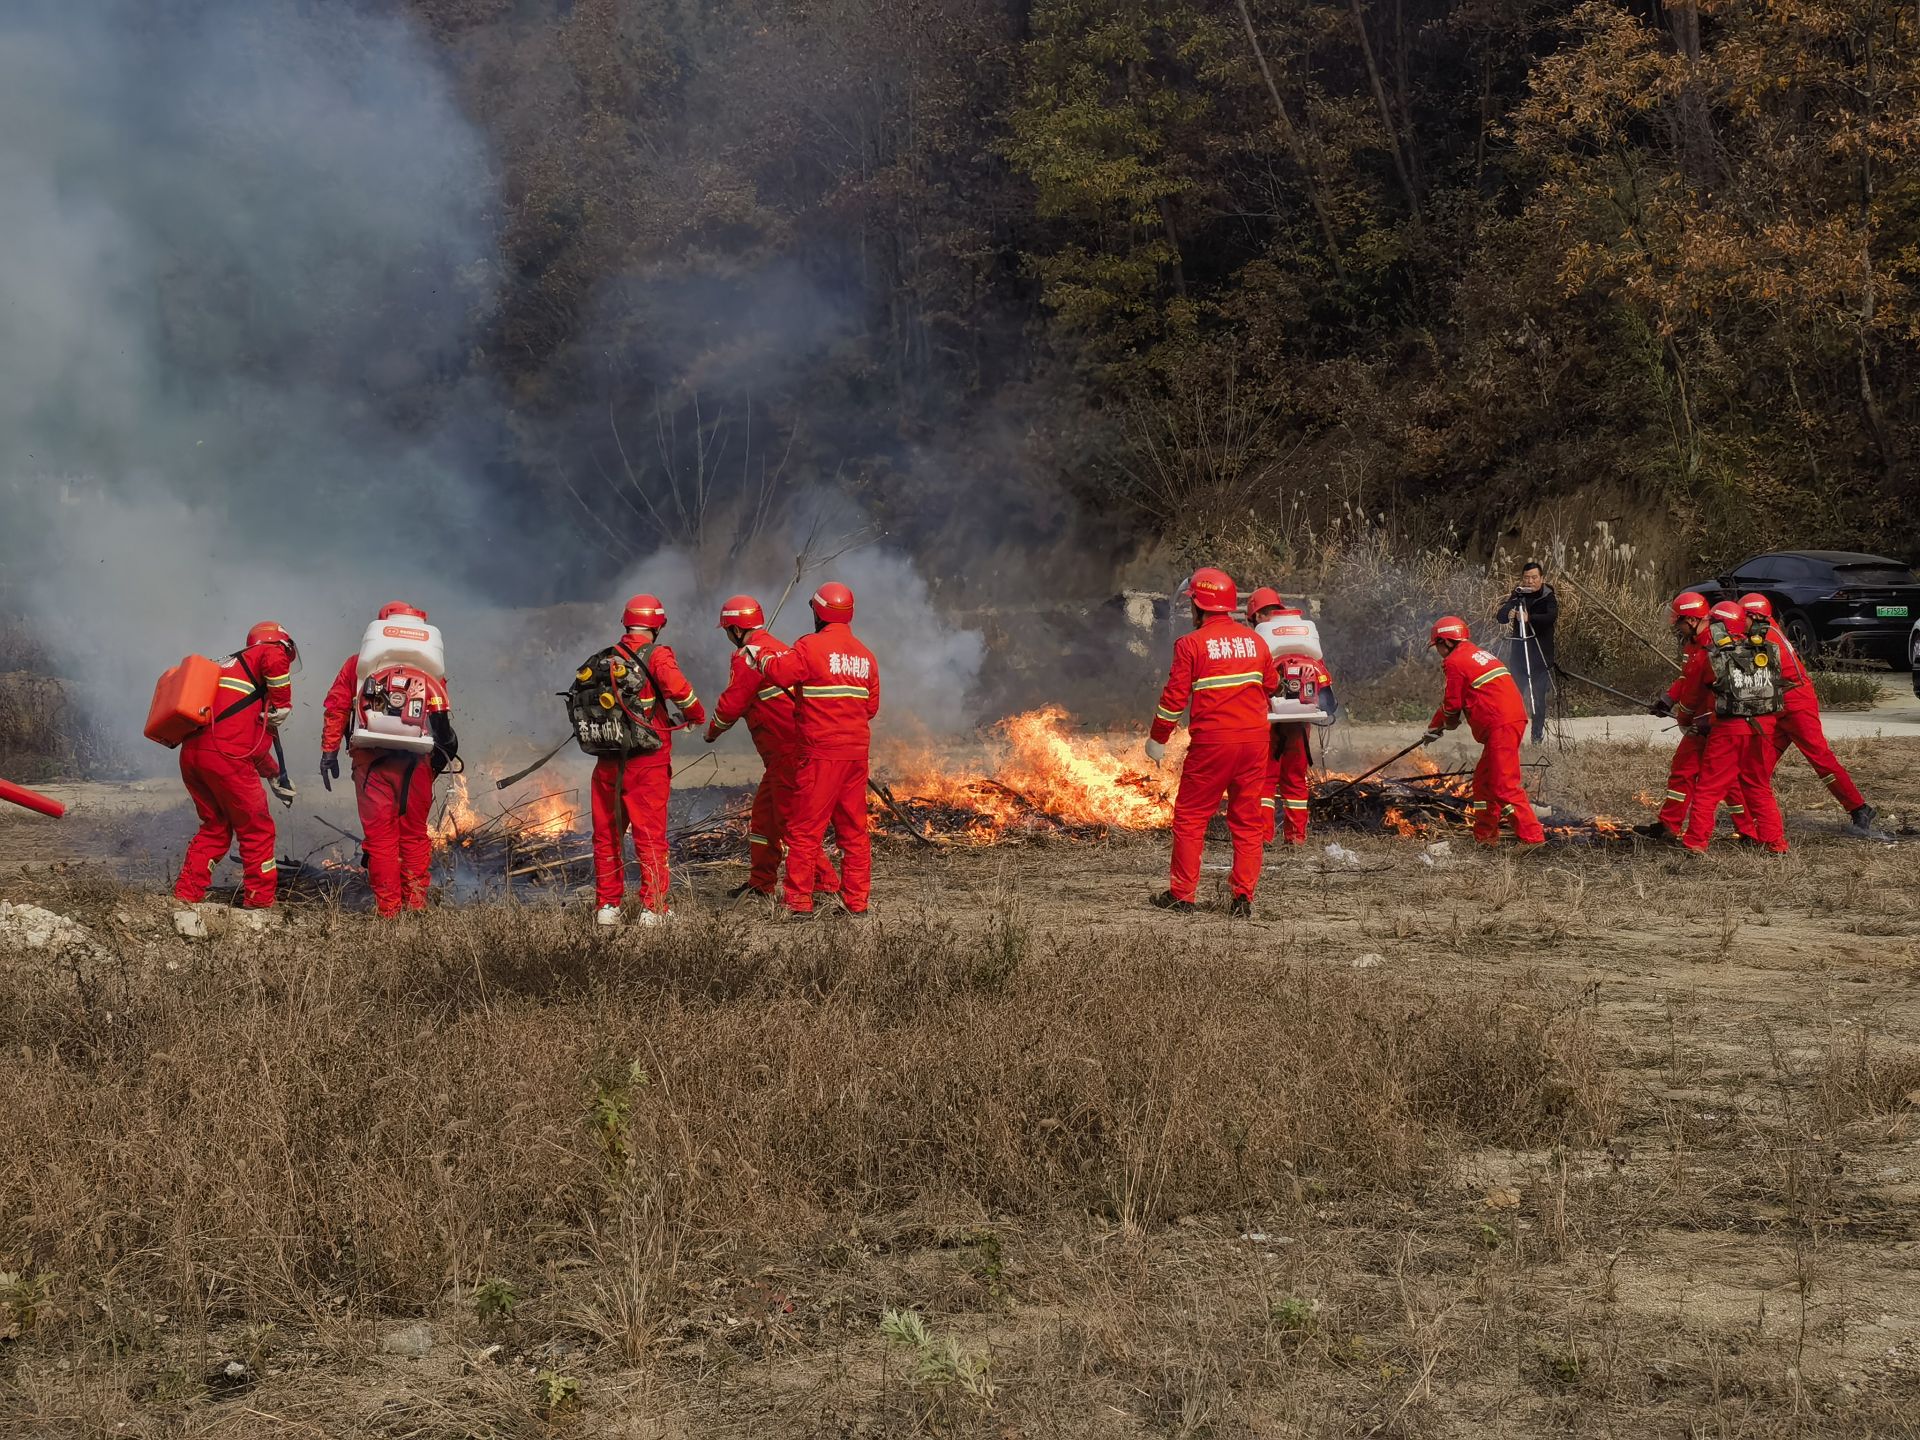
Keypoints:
pixel 1622 623
pixel 1376 769
pixel 1585 680
pixel 519 775
pixel 884 794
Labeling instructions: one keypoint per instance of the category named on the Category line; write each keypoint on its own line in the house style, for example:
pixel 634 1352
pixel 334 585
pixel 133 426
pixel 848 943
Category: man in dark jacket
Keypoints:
pixel 1530 613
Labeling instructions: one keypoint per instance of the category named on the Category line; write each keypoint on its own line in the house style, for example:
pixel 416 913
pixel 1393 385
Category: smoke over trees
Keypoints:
pixel 1060 278
pixel 987 263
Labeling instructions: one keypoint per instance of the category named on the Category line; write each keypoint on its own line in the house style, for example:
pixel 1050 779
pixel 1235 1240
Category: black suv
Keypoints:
pixel 1862 605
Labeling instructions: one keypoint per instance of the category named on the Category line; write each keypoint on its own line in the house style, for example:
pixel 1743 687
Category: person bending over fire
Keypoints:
pixel 225 760
pixel 1688 612
pixel 1481 689
pixel 1221 676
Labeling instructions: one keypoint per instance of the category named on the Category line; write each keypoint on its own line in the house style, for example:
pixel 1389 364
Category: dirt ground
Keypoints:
pixel 1733 1256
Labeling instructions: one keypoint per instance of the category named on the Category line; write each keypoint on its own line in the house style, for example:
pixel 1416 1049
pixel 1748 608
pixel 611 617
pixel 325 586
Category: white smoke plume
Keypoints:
pixel 251 245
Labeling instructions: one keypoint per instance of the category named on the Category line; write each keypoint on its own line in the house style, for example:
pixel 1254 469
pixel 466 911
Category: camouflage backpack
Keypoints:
pixel 1747 679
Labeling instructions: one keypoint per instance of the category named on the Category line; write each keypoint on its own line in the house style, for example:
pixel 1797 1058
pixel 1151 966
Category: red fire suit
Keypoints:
pixel 223 764
pixel 1737 760
pixel 1799 724
pixel 394 791
pixel 1291 751
pixel 1481 688
pixel 1221 676
pixel 837 682
pixel 769 713
pixel 634 795
pixel 1683 774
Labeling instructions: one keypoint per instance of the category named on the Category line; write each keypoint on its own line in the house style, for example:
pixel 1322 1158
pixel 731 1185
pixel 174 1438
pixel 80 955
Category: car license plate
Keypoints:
pixel 1890 612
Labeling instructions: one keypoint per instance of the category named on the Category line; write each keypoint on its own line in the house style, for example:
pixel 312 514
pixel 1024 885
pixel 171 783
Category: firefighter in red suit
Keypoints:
pixel 1738 758
pixel 633 794
pixel 1480 688
pixel 1221 676
pixel 1290 751
pixel 1292 747
pixel 836 682
pixel 393 789
pixel 224 762
pixel 1798 724
pixel 771 720
pixel 1689 611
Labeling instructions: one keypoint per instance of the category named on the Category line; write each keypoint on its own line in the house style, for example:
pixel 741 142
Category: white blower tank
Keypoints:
pixel 1298 700
pixel 405 640
pixel 1291 635
pixel 398 656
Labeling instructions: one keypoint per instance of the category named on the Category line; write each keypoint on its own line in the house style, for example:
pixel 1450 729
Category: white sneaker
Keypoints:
pixel 655 917
pixel 607 915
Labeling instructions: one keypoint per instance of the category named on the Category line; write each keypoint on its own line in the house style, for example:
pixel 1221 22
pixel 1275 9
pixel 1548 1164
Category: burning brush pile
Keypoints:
pixel 1037 780
pixel 1041 780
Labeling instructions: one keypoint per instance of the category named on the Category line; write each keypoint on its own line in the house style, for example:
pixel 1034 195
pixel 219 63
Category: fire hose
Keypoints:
pixel 31 799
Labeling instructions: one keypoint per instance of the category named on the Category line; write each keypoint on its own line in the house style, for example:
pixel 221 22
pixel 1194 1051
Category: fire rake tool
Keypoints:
pixel 1633 700
pixel 885 795
pixel 1376 769
pixel 519 775
pixel 1621 623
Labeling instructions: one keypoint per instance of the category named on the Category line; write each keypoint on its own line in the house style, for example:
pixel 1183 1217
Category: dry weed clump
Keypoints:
pixel 324 1119
pixel 45 732
pixel 1379 590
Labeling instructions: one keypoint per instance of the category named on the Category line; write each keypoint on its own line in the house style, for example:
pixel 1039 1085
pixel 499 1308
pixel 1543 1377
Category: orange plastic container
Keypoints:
pixel 183 700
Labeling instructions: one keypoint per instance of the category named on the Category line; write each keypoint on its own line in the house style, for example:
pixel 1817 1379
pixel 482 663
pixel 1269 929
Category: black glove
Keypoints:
pixel 329 767
pixel 1432 735
pixel 1662 707
pixel 1701 726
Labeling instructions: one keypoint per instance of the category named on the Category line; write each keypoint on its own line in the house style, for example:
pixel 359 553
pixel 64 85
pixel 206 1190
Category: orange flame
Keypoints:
pixel 1037 763
pixel 548 814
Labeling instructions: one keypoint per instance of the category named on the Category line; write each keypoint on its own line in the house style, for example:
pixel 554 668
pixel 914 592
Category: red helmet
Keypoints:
pixel 1448 627
pixel 272 632
pixel 400 607
pixel 833 603
pixel 1689 605
pixel 1265 598
pixel 1729 613
pixel 1757 604
pixel 1212 592
pixel 742 612
pixel 644 612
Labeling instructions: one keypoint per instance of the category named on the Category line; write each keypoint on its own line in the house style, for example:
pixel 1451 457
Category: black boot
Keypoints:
pixel 1862 817
pixel 1240 908
pixel 1166 900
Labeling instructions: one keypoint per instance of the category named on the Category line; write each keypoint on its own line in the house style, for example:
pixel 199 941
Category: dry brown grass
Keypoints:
pixel 1603 1144
pixel 45 731
pixel 317 1118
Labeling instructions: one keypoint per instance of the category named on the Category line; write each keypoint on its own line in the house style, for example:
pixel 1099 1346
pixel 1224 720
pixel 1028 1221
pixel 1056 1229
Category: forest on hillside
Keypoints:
pixel 1197 267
